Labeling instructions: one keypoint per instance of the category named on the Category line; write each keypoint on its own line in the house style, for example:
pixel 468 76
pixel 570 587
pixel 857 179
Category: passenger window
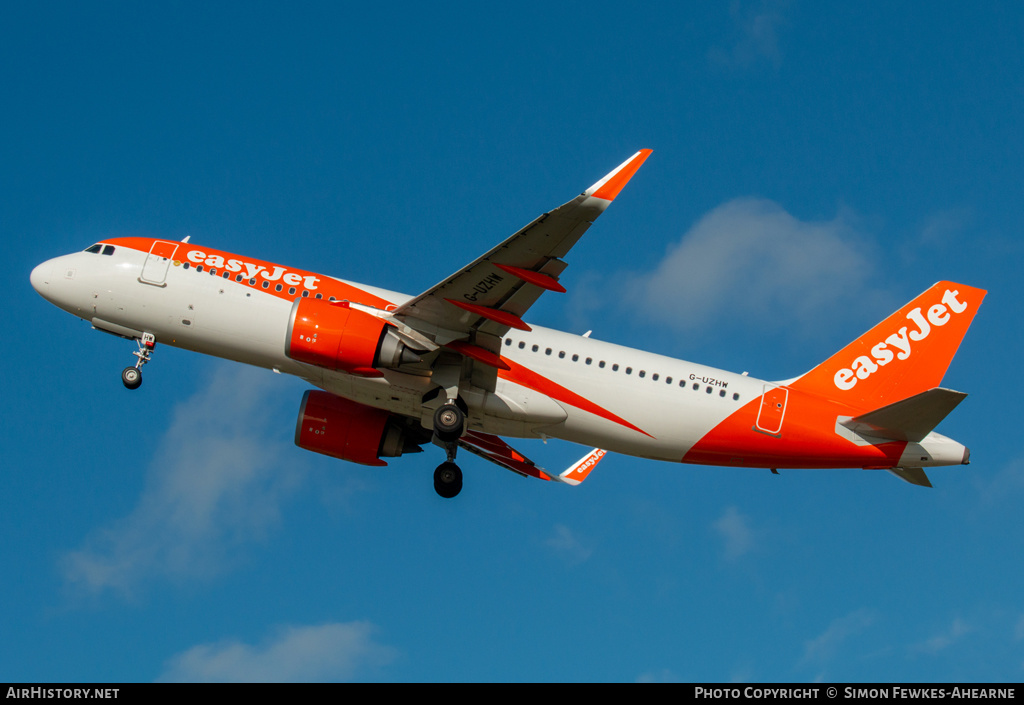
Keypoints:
pixel 186 265
pixel 722 393
pixel 668 380
pixel 522 345
pixel 238 277
pixel 601 364
pixel 266 285
pixel 708 390
pixel 291 290
pixel 629 370
pixel 199 268
pixel 642 373
pixel 561 354
pixel 654 377
pixel 319 296
pixel 252 282
pixel 279 287
pixel 735 397
pixel 213 272
pixel 535 348
pixel 305 293
pixel 508 341
pixel 575 358
pixel 696 386
pixel 548 351
pixel 615 367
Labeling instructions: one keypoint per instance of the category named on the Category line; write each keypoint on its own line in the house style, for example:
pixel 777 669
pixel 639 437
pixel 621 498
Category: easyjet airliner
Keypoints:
pixel 457 366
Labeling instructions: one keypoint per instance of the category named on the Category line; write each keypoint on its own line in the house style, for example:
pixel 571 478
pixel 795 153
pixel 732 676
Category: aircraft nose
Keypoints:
pixel 41 276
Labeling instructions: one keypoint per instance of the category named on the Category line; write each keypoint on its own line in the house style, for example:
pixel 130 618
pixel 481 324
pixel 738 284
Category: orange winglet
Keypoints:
pixel 492 314
pixel 619 178
pixel 477 353
pixel 537 278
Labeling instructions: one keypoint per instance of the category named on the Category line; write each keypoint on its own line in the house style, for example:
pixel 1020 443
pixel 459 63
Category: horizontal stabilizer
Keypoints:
pixel 910 419
pixel 914 476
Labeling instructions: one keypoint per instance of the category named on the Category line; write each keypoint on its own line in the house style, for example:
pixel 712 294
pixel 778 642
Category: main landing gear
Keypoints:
pixel 132 376
pixel 449 422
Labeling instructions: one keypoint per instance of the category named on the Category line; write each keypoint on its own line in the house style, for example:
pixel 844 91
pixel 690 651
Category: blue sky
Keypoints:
pixel 815 166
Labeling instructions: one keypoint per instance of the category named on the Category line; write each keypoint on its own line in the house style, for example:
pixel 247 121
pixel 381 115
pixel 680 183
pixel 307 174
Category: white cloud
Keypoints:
pixel 216 480
pixel 327 652
pixel 758 25
pixel 752 263
pixel 735 532
pixel 822 649
pixel 945 639
pixel 566 544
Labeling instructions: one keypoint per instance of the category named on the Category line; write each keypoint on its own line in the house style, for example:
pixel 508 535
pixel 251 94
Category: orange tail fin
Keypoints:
pixel 904 355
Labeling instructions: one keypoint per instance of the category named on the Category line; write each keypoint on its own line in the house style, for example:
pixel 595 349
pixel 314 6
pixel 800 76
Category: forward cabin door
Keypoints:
pixel 158 261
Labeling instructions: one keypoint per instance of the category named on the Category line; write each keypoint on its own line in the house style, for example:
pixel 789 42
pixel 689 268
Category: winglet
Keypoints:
pixel 608 187
pixel 579 471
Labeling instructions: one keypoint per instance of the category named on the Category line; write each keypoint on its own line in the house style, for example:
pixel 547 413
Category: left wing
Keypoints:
pixel 491 294
pixel 501 453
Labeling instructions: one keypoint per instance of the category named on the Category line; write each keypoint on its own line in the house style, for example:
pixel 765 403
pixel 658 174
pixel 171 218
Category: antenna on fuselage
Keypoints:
pixel 185 239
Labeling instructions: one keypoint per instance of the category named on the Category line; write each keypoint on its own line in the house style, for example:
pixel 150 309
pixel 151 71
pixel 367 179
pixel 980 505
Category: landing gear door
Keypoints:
pixel 772 411
pixel 154 271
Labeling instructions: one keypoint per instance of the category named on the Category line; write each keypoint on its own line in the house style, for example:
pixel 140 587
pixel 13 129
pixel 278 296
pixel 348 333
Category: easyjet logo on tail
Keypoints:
pixel 899 345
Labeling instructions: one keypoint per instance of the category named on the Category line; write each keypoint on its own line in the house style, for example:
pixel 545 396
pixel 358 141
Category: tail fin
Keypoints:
pixel 904 355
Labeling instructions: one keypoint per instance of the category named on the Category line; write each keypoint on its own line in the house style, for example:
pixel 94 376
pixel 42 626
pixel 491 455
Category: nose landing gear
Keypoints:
pixel 132 376
pixel 449 423
pixel 448 480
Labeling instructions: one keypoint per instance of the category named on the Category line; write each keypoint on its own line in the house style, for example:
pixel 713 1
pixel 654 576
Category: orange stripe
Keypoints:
pixel 531 380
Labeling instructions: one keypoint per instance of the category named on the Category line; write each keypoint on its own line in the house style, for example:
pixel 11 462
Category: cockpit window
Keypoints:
pixel 100 248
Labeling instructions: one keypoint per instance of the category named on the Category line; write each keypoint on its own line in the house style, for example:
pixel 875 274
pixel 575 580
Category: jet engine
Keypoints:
pixel 331 334
pixel 348 430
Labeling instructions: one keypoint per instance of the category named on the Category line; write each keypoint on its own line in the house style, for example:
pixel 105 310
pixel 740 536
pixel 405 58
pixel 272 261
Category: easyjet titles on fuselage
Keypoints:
pixel 250 270
pixel 863 366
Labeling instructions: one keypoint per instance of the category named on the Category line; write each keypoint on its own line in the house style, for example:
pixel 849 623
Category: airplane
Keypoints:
pixel 459 368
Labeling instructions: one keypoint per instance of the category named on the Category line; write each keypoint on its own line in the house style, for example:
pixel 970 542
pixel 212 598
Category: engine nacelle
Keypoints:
pixel 331 334
pixel 348 430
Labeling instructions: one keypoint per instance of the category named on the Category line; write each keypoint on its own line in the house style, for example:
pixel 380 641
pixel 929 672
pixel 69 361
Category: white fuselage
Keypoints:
pixel 658 406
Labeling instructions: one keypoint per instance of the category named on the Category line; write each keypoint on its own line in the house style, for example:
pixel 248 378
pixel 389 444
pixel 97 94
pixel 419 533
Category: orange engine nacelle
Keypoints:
pixel 331 334
pixel 348 430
